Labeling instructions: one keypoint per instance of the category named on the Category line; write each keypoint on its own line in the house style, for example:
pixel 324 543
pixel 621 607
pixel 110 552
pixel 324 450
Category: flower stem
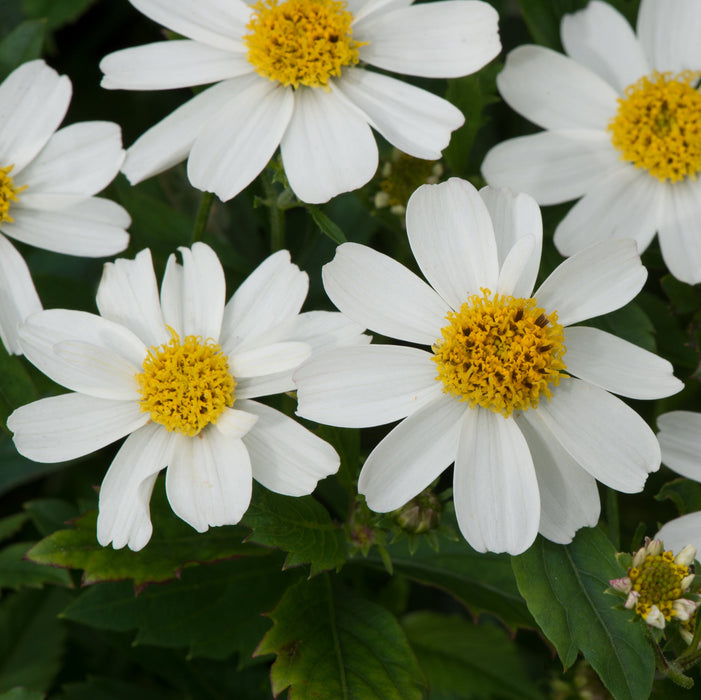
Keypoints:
pixel 202 216
pixel 277 217
pixel 612 519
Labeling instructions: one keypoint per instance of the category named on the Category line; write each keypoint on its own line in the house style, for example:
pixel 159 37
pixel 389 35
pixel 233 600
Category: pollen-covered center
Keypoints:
pixel 185 385
pixel 500 353
pixel 658 580
pixel 658 125
pixel 300 42
pixel 8 193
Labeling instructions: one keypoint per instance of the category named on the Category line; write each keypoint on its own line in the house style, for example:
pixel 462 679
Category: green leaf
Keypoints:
pixel 564 588
pixel 464 660
pixel 31 638
pixel 331 643
pixel 50 514
pixel 22 44
pixel 684 297
pixel 22 694
pixel 16 572
pixel 326 226
pixel 481 582
pixel 15 469
pixel 684 493
pixel 213 611
pixel 97 688
pixel 16 386
pixel 56 13
pixel 300 526
pixel 543 18
pixel 11 525
pixel 630 323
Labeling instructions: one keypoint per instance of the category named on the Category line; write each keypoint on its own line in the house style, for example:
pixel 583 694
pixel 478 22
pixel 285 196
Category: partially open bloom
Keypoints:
pixel 47 182
pixel 622 114
pixel 657 583
pixel 177 374
pixel 290 73
pixel 496 391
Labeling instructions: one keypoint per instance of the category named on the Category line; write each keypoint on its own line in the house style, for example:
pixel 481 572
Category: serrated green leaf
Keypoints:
pixel 481 582
pixel 31 638
pixel 50 514
pixel 56 13
pixel 462 660
pixel 213 611
pixel 326 225
pixel 331 643
pixel 684 493
pixel 564 588
pixel 22 694
pixel 300 526
pixel 22 44
pixel 11 525
pixel 16 572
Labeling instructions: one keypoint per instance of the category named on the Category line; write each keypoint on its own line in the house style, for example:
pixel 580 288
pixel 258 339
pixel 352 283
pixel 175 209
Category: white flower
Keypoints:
pixel 47 182
pixel 622 116
pixel 305 93
pixel 178 375
pixel 522 465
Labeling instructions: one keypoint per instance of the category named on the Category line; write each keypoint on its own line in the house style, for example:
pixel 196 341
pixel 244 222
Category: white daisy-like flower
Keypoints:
pixel 47 182
pixel 511 391
pixel 287 74
pixel 622 114
pixel 680 441
pixel 178 375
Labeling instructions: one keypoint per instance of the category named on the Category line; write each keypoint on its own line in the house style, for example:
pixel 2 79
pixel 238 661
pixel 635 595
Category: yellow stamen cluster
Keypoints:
pixel 8 193
pixel 301 42
pixel 186 385
pixel 501 353
pixel 658 580
pixel 658 126
pixel 400 178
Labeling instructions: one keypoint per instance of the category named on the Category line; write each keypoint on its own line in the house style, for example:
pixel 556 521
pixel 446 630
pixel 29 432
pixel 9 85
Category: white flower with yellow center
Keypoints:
pixel 622 114
pixel 177 374
pixel 510 390
pixel 47 182
pixel 290 73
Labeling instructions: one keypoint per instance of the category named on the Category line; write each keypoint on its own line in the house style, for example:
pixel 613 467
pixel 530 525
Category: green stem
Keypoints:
pixel 277 218
pixel 202 216
pixel 612 519
pixel 693 649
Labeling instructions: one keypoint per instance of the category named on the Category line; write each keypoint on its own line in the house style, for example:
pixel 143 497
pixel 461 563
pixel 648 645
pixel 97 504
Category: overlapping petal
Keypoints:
pixel 680 442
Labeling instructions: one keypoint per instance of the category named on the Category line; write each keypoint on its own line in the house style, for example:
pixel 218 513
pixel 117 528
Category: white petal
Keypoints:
pixel 169 141
pixel 606 437
pixel 172 295
pixel 669 33
pixel 125 493
pixel 624 203
pixel 72 425
pixel 368 385
pixel 271 295
pixel 80 159
pixel 515 216
pixel 235 423
pixel 495 490
pixel 128 295
pixel 360 9
pixel 34 99
pixel 286 457
pixel 111 349
pixel 680 442
pixel 515 266
pixel 616 365
pixel 569 498
pixel 208 480
pixel 680 532
pixel 328 147
pixel 239 140
pixel 554 91
pixel 374 290
pixel 552 166
pixel 446 40
pixel 600 38
pixel 412 455
pixel 452 238
pixel 92 228
pixel 18 298
pixel 595 281
pixel 678 230
pixel 269 359
pixel 417 122
pixel 165 65
pixel 219 23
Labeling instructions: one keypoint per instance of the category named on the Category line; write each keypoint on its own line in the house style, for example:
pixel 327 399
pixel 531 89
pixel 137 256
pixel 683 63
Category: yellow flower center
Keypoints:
pixel 300 42
pixel 658 126
pixel 186 385
pixel 8 193
pixel 658 581
pixel 500 353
